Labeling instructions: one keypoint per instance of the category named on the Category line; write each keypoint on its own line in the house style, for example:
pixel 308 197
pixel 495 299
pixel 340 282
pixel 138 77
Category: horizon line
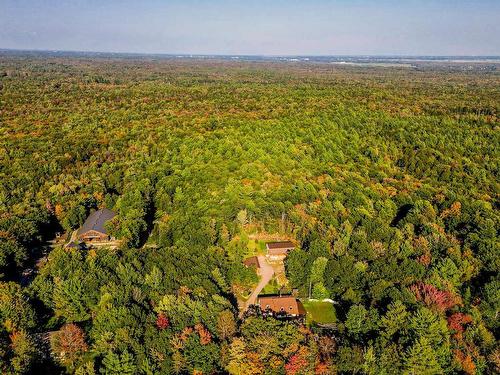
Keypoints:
pixel 185 54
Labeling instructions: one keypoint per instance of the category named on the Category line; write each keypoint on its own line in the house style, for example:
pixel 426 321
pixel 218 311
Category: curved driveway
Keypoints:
pixel 266 274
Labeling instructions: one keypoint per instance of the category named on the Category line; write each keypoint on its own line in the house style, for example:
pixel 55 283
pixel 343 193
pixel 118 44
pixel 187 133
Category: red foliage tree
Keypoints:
pixel 439 300
pixel 297 362
pixel 162 321
pixel 456 323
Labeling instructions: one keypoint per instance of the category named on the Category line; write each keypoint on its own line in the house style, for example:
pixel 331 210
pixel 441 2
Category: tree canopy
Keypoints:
pixel 386 178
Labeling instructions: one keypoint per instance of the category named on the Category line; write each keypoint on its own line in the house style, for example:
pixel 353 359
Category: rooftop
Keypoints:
pixel 252 261
pixel 96 221
pixel 284 304
pixel 280 245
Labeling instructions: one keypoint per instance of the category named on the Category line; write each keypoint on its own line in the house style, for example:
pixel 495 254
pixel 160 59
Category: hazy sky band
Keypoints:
pixel 314 27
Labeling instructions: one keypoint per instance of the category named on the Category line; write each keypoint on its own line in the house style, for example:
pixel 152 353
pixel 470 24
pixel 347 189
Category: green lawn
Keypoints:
pixel 256 248
pixel 319 312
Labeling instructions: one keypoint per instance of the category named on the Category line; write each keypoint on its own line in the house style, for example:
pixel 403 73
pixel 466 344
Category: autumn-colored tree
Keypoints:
pixel 184 291
pixel 456 323
pixel 162 321
pixel 205 336
pixel 254 365
pixel 425 258
pixel 59 211
pixel 23 351
pixel 299 362
pixel 241 361
pixel 454 210
pixel 494 359
pixel 439 300
pixel 465 361
pixel 296 364
pixel 68 344
pixel 186 332
pixel 327 346
pixel 237 356
pixel 323 368
pixel 226 326
pixel 421 245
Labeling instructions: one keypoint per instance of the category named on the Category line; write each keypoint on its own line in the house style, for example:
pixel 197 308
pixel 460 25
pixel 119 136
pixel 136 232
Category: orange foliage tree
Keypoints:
pixel 68 344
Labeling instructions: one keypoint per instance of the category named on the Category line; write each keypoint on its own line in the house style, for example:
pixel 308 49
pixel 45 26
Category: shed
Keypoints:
pixel 252 262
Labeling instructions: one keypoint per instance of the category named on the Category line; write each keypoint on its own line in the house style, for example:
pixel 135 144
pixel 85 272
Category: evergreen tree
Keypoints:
pixel 421 359
pixel 118 364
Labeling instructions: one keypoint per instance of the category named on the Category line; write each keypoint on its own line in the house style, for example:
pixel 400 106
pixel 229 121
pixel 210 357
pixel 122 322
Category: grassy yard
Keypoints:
pixel 319 312
pixel 256 247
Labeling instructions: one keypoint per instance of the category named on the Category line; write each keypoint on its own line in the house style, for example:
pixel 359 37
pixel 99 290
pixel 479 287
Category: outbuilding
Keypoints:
pixel 279 250
pixel 252 262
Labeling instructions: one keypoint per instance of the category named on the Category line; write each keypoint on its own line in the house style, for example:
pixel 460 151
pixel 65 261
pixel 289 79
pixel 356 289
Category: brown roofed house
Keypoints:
pixel 93 229
pixel 277 250
pixel 252 262
pixel 281 306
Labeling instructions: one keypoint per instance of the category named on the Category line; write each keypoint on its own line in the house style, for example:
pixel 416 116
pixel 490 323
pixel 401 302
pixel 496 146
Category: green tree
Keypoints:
pixel 360 321
pixel 319 291
pixel 318 270
pixel 395 320
pixel 421 359
pixel 118 364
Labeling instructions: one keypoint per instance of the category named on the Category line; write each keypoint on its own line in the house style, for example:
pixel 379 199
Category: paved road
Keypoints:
pixel 266 274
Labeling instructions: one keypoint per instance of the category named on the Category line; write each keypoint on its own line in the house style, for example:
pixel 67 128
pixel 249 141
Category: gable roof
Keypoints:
pixel 280 245
pixel 284 304
pixel 96 221
pixel 252 261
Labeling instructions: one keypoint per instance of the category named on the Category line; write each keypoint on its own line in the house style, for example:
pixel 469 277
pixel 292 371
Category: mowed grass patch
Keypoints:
pixel 320 312
pixel 252 248
pixel 256 247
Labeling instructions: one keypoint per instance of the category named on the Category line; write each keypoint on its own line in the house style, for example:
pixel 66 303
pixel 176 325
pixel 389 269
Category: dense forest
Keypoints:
pixel 387 178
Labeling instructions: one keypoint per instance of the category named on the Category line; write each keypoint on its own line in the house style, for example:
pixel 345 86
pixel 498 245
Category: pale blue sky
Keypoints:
pixel 313 27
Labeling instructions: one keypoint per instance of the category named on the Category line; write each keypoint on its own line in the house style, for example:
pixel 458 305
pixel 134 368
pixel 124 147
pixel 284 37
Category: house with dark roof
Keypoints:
pixel 285 306
pixel 93 230
pixel 252 262
pixel 279 250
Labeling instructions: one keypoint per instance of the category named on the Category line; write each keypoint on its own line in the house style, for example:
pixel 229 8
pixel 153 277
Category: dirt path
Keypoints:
pixel 266 274
pixel 72 238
